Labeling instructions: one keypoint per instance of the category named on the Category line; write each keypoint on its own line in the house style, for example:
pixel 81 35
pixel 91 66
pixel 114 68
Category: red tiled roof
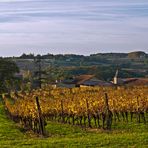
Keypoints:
pixel 82 78
pixel 136 81
pixel 97 83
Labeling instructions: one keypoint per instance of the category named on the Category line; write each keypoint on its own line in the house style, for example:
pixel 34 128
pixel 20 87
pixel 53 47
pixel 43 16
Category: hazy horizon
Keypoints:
pixel 73 27
pixel 35 54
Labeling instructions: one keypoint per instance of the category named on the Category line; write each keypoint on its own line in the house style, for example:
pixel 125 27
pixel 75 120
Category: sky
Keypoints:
pixel 73 26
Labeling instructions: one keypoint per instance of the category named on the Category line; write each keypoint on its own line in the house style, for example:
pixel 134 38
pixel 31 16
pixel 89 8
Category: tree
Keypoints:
pixel 27 56
pixel 40 75
pixel 56 74
pixel 7 75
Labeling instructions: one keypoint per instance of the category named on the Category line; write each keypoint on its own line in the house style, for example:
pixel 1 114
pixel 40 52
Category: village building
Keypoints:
pixel 129 81
pixel 84 81
pixel 92 81
pixel 135 81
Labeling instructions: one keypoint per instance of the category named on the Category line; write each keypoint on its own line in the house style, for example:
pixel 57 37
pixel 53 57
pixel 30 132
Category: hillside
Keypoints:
pixel 103 65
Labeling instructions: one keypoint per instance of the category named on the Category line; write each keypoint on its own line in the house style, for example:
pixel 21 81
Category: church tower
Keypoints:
pixel 115 81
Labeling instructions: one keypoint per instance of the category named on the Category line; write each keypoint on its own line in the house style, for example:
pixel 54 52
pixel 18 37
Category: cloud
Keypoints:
pixel 80 26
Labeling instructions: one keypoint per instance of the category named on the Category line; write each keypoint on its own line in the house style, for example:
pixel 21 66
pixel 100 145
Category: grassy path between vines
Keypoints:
pixel 131 135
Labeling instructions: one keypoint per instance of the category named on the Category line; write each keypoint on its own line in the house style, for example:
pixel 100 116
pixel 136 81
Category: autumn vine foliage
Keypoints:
pixel 88 107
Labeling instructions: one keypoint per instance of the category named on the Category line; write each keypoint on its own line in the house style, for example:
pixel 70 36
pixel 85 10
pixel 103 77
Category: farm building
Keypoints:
pixel 84 81
pixel 91 80
pixel 135 81
pixel 129 81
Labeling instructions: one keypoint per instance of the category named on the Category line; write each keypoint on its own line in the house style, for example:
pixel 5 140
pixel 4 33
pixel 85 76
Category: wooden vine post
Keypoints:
pixel 88 114
pixel 108 114
pixel 41 121
pixel 62 113
pixel 138 110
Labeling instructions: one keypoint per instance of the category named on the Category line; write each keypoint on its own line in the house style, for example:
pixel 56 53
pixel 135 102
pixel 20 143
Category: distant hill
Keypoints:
pixel 102 65
pixel 137 54
pixel 111 55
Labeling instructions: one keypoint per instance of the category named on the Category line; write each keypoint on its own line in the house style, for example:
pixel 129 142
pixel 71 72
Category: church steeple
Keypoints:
pixel 116 77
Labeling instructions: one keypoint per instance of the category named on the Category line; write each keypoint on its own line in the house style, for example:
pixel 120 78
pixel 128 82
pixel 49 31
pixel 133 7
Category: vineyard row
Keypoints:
pixel 87 107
